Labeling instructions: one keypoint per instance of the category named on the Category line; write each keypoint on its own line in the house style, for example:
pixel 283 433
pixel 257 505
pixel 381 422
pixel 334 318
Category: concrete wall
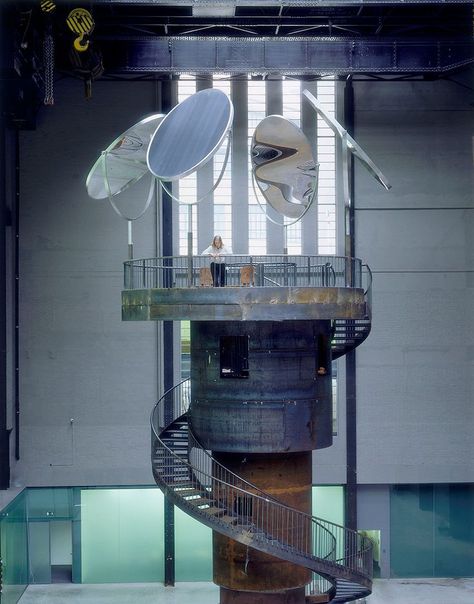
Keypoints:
pixel 88 380
pixel 415 372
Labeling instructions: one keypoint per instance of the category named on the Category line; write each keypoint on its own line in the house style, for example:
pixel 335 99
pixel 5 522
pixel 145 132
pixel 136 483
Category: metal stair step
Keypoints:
pixel 186 490
pixel 197 501
pixel 228 519
pixel 163 461
pixel 213 511
pixel 172 471
pixel 171 439
pixel 177 451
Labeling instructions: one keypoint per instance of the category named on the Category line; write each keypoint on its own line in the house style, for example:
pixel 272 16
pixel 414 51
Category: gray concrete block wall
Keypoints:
pixel 78 360
pixel 414 383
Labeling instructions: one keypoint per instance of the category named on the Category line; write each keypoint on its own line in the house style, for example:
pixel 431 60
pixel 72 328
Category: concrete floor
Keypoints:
pixel 393 591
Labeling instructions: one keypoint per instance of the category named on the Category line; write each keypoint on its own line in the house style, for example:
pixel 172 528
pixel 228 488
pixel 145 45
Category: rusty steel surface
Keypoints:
pixel 284 403
pixel 243 304
pixel 288 596
pixel 287 478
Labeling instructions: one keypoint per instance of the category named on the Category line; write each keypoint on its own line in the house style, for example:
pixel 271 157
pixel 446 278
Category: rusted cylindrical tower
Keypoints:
pixel 261 402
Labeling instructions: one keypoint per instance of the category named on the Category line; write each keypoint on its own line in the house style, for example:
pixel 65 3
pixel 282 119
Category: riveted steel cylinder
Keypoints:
pixel 287 478
pixel 261 386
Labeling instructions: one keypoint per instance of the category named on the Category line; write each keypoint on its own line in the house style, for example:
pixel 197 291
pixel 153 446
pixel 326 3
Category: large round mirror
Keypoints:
pixel 283 166
pixel 124 160
pixel 190 134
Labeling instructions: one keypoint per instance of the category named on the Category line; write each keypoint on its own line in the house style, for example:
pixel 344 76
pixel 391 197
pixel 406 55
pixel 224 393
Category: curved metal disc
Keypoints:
pixel 283 166
pixel 352 145
pixel 190 134
pixel 124 160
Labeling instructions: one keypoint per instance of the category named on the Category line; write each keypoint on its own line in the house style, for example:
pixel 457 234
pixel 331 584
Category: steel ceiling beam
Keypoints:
pixel 284 56
pixel 272 3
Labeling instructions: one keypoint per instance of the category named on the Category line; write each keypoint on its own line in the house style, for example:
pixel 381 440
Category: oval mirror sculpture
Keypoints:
pixel 190 134
pixel 124 160
pixel 283 166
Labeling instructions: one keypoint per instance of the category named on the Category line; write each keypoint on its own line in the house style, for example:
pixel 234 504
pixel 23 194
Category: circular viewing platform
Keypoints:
pixel 270 288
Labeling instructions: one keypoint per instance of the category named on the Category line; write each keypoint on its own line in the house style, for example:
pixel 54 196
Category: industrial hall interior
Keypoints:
pixel 237 293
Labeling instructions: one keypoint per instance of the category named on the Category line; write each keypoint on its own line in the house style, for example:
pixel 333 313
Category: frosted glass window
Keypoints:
pixel 292 100
pixel 14 549
pixel 122 535
pixel 257 231
pixel 257 220
pixel 193 549
pixel 432 530
pixel 186 189
pixel 293 235
pixel 49 503
pixel 223 223
pixel 326 145
pixel 223 193
pixel 328 503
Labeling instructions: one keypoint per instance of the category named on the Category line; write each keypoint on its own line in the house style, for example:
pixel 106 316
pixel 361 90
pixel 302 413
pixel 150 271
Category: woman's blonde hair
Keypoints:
pixel 217 238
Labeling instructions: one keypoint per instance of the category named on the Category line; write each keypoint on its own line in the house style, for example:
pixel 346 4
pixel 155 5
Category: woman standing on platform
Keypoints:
pixel 217 251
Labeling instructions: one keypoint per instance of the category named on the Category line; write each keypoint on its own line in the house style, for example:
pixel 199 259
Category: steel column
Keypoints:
pixel 351 391
pixel 168 347
pixel 5 52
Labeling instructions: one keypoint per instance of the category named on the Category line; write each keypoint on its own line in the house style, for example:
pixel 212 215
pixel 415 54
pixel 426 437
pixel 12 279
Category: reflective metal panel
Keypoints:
pixel 348 141
pixel 190 134
pixel 283 166
pixel 124 160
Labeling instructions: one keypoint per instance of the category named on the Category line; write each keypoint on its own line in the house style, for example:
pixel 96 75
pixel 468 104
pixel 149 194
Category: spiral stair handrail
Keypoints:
pixel 340 559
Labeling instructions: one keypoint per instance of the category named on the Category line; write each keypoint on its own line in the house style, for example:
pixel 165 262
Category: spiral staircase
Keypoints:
pixel 347 334
pixel 340 559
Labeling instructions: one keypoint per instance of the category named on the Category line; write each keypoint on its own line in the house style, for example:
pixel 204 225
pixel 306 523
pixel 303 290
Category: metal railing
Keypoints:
pixel 227 502
pixel 266 270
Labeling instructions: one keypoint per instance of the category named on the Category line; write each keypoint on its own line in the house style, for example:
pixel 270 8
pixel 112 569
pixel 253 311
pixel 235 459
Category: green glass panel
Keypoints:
pixel 432 530
pixel 453 530
pixel 122 535
pixel 48 503
pixel 193 549
pixel 76 535
pixel 411 531
pixel 328 503
pixel 39 552
pixel 14 549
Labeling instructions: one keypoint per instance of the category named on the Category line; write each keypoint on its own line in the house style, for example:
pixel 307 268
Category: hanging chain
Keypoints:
pixel 48 60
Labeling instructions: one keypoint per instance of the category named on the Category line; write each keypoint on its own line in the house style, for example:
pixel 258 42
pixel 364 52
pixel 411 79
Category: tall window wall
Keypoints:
pixel 257 221
pixel 187 187
pixel 223 193
pixel 292 111
pixel 325 217
pixel 327 173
